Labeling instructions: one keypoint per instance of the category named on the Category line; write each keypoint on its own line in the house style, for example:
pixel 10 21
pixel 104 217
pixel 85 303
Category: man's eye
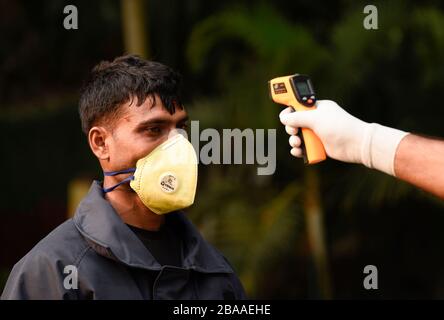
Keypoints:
pixel 153 130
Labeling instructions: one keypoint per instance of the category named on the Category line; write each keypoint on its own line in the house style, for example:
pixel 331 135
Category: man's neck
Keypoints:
pixel 132 211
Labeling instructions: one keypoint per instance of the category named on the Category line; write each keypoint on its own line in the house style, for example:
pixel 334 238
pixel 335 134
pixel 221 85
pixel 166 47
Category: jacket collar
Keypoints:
pixel 109 236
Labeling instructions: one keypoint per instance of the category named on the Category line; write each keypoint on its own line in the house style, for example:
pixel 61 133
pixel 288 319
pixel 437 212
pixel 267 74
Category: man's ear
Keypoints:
pixel 97 138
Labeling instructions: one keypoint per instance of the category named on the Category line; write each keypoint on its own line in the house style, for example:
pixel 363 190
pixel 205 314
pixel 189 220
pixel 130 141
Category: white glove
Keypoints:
pixel 345 137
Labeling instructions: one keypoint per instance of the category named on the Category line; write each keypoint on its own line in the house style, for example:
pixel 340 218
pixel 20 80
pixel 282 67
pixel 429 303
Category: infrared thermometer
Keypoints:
pixel 297 92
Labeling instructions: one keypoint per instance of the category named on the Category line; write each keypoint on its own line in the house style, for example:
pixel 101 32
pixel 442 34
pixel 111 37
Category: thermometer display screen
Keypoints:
pixel 303 88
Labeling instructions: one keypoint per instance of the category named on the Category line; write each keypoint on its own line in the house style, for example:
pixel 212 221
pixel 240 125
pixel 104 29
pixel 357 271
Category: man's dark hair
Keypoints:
pixel 112 84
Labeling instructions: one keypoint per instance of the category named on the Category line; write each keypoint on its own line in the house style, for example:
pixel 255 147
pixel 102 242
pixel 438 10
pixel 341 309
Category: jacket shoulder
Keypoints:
pixel 64 243
pixel 40 274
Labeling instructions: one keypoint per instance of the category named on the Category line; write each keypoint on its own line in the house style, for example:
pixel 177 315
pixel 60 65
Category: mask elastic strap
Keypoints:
pixel 114 173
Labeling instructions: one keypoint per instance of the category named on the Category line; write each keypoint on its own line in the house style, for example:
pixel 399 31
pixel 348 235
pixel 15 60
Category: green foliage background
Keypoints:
pixel 227 51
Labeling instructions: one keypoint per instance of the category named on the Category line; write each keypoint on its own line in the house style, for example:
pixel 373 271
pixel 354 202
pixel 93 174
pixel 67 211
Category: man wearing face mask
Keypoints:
pixel 129 238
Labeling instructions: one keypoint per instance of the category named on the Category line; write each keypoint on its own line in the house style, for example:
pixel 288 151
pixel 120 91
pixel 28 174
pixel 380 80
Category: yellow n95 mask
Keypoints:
pixel 166 179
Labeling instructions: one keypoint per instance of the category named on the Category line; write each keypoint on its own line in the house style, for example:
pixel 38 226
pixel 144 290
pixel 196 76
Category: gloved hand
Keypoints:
pixel 345 137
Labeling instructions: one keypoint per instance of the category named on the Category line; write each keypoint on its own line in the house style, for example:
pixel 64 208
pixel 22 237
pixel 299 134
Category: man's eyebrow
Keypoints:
pixel 159 120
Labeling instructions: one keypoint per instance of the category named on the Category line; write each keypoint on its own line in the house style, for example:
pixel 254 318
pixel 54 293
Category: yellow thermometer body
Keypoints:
pixel 297 92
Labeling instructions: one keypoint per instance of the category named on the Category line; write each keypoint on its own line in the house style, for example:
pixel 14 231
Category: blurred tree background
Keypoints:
pixel 227 51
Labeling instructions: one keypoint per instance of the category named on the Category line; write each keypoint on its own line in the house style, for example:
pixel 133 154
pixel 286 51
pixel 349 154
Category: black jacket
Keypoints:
pixel 112 263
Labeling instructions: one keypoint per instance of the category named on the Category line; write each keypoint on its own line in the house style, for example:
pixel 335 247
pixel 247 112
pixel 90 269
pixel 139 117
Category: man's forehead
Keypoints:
pixel 148 110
